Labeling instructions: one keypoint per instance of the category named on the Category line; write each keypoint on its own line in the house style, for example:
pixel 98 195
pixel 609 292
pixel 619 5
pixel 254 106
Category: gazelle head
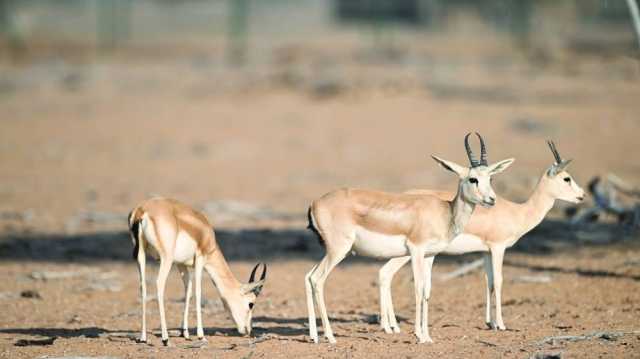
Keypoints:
pixel 242 302
pixel 559 183
pixel 475 181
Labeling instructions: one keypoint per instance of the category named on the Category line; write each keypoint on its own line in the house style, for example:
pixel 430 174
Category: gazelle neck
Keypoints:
pixel 538 205
pixel 461 211
pixel 221 274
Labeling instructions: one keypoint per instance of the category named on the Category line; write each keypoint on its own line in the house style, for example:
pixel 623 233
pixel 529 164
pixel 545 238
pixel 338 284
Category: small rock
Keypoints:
pixel 105 286
pixel 195 345
pixel 563 327
pixel 49 275
pixel 30 293
pixel 35 342
pixel 326 87
pixel 74 320
pixel 557 355
pixel 8 295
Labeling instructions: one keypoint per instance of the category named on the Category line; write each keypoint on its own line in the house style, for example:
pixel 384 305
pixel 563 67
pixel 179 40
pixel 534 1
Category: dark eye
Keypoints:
pixel 567 179
pixel 473 180
pixel 251 306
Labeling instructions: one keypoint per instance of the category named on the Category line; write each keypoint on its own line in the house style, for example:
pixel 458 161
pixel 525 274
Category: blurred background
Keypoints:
pixel 250 109
pixel 272 103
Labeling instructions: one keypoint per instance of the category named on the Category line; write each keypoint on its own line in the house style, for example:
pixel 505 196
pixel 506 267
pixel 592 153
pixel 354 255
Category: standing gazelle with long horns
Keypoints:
pixel 492 231
pixel 176 233
pixel 388 225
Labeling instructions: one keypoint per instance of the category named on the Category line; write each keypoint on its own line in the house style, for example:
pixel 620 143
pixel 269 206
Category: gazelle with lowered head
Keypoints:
pixel 176 233
pixel 388 225
pixel 492 230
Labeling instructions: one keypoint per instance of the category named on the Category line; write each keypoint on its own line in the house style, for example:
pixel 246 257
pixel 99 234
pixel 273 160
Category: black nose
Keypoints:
pixel 581 198
pixel 491 201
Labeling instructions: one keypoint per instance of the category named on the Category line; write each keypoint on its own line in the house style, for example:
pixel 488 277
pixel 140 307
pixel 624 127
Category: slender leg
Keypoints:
pixel 488 276
pixel 186 280
pixel 163 273
pixel 385 276
pixel 428 263
pixel 383 283
pixel 390 310
pixel 199 265
pixel 143 290
pixel 313 329
pixel 497 257
pixel 317 279
pixel 393 323
pixel 417 265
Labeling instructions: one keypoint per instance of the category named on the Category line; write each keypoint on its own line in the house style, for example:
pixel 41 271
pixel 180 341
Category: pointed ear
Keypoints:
pixel 563 165
pixel 451 166
pixel 255 287
pixel 500 166
pixel 558 167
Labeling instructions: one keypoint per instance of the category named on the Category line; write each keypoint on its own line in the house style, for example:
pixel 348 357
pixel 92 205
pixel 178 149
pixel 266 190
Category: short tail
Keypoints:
pixel 134 229
pixel 312 227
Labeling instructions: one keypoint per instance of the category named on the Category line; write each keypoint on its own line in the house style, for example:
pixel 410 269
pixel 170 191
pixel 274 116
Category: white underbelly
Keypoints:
pixel 185 247
pixel 433 247
pixel 466 243
pixel 185 250
pixel 378 245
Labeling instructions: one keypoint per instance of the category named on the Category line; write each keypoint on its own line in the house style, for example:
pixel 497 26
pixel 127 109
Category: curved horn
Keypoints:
pixel 483 151
pixel 252 277
pixel 264 271
pixel 554 150
pixel 472 160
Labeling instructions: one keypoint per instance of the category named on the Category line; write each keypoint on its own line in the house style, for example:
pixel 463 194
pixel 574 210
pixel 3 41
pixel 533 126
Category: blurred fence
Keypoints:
pixel 234 26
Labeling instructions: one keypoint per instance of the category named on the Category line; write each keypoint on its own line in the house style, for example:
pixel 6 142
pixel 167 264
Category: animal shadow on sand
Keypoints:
pixel 549 237
pixel 47 336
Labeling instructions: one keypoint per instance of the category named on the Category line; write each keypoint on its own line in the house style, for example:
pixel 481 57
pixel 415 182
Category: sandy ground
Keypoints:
pixel 79 149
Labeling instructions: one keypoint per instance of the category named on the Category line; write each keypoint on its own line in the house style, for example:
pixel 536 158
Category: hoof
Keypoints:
pixel 185 334
pixel 314 339
pixel 426 339
pixel 202 339
pixel 491 325
pixel 502 327
pixel 387 330
pixel 141 340
pixel 396 329
pixel 166 343
pixel 331 339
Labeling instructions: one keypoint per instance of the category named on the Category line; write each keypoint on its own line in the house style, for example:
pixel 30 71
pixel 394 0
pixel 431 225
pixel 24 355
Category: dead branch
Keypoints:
pixel 605 195
pixel 532 279
pixel 622 186
pixel 464 269
pixel 596 335
pixel 489 344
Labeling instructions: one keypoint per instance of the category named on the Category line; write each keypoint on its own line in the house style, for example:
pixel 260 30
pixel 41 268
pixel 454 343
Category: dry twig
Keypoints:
pixel 464 269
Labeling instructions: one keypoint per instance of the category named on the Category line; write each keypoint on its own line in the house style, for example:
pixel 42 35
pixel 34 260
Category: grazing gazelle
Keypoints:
pixel 175 232
pixel 492 231
pixel 387 225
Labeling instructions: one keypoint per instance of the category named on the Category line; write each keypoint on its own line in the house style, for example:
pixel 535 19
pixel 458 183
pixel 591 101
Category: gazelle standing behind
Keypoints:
pixel 387 225
pixel 175 232
pixel 492 231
